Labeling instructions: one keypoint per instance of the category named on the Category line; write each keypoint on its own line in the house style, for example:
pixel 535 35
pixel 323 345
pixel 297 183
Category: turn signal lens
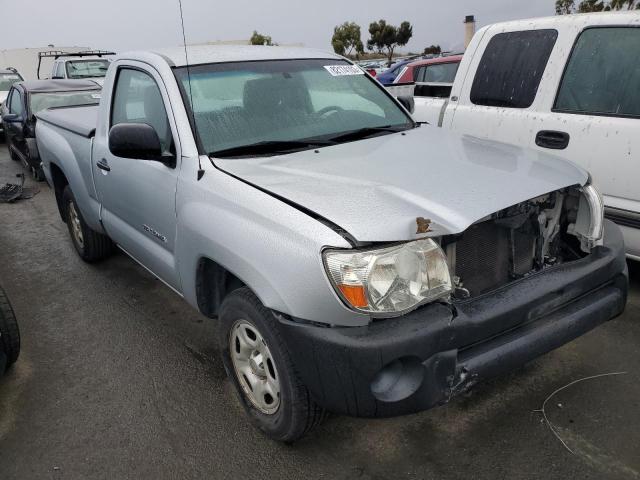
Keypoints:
pixel 355 295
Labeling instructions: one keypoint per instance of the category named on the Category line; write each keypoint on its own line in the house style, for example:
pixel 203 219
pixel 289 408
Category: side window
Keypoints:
pixel 511 68
pixel 60 71
pixel 15 105
pixel 435 80
pixel 603 74
pixel 137 99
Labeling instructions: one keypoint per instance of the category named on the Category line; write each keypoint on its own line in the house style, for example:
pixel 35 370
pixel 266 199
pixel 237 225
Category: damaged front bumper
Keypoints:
pixel 408 364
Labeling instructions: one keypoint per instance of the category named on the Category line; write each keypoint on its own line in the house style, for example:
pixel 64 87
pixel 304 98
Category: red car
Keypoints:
pixel 431 70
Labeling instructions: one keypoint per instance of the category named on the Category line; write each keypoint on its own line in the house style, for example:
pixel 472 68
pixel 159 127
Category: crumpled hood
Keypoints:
pixel 376 188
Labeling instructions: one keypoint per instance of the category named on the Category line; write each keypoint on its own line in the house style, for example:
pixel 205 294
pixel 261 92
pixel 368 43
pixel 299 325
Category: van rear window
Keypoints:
pixel 511 68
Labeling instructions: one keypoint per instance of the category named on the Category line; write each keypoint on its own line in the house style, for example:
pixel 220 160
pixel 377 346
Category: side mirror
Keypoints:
pixel 408 103
pixel 135 140
pixel 12 118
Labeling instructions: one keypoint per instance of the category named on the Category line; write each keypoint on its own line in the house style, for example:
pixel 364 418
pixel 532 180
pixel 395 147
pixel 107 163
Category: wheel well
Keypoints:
pixel 213 284
pixel 59 182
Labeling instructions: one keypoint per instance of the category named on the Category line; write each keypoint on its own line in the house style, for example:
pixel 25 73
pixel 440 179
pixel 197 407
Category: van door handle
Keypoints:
pixel 103 165
pixel 552 139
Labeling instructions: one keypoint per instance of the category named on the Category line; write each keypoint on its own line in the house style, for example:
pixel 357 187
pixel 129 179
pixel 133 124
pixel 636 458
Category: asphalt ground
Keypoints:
pixel 119 378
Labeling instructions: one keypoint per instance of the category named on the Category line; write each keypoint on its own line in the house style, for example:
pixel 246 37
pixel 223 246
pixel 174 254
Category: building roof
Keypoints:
pixel 38 86
pixel 199 54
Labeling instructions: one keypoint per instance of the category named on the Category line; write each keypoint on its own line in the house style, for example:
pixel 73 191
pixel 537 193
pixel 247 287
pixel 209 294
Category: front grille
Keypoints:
pixel 489 255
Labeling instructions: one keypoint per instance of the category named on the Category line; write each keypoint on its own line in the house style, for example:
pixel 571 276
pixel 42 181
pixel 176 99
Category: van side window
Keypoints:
pixel 603 74
pixel 137 99
pixel 511 68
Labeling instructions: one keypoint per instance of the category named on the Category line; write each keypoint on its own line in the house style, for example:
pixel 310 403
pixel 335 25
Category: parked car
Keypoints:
pixel 88 65
pixel 25 100
pixel 8 77
pixel 430 82
pixel 263 185
pixel 559 84
pixel 387 77
pixel 9 334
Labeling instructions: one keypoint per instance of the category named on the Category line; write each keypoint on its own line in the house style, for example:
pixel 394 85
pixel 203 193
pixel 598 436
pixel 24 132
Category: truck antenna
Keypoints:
pixel 186 58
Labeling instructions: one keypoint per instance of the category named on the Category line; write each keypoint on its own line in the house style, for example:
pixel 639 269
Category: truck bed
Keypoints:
pixel 80 120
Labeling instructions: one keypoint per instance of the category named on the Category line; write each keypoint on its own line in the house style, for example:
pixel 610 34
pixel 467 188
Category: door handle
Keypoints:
pixel 552 139
pixel 103 165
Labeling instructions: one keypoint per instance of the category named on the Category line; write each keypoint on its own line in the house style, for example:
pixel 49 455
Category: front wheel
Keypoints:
pixel 9 333
pixel 90 245
pixel 258 363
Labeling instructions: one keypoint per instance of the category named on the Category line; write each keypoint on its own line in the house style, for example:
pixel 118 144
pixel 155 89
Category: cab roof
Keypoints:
pixel 201 54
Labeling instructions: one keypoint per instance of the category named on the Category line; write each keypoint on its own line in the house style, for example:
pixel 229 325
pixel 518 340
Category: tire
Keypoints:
pixel 38 174
pixel 296 413
pixel 14 156
pixel 90 245
pixel 9 332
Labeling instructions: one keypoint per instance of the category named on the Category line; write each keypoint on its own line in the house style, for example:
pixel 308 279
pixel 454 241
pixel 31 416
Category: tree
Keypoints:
pixel 257 39
pixel 433 50
pixel 386 38
pixel 346 38
pixel 565 7
pixel 588 6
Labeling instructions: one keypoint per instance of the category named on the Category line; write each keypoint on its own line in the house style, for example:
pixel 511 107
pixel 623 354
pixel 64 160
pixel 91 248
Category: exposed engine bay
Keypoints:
pixel 518 241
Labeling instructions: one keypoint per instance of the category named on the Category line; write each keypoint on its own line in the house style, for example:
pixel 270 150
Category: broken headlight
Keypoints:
pixel 389 281
pixel 589 223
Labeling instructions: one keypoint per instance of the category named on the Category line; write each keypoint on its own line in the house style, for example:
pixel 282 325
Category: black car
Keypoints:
pixel 25 99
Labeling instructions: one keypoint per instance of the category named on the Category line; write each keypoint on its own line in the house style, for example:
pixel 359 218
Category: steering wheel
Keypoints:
pixel 331 108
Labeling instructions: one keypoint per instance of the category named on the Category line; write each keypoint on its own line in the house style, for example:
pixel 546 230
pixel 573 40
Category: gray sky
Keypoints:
pixel 138 24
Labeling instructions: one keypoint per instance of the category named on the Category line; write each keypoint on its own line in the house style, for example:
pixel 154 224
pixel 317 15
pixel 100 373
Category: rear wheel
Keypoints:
pixel 9 332
pixel 258 364
pixel 90 245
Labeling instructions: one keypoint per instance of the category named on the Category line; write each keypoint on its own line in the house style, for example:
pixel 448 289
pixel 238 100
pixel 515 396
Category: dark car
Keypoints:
pixel 388 76
pixel 9 334
pixel 8 76
pixel 25 99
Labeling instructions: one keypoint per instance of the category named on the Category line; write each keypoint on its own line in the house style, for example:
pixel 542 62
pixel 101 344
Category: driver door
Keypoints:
pixel 138 196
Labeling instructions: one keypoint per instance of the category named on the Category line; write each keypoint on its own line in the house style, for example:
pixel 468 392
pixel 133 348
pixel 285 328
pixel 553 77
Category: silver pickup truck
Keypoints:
pixel 357 262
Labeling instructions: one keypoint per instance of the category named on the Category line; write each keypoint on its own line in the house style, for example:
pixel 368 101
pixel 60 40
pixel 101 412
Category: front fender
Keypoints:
pixel 269 245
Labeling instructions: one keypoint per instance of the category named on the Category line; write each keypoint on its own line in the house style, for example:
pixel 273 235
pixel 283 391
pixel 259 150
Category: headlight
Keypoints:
pixel 390 280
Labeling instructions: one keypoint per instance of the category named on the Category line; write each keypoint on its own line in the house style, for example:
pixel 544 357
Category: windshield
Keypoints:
pixel 42 101
pixel 87 68
pixel 8 79
pixel 296 103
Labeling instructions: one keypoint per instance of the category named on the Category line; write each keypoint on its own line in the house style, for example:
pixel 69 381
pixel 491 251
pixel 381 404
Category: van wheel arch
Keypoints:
pixel 213 284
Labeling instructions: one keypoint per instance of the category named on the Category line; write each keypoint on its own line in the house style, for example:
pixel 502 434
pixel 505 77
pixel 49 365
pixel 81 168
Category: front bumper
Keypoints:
pixel 408 364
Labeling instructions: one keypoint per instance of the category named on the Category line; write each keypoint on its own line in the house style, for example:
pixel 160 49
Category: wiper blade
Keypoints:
pixel 267 147
pixel 367 132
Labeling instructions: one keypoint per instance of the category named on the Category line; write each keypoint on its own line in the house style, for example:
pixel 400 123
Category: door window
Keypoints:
pixel 603 74
pixel 137 99
pixel 435 80
pixel 511 68
pixel 15 105
pixel 437 73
